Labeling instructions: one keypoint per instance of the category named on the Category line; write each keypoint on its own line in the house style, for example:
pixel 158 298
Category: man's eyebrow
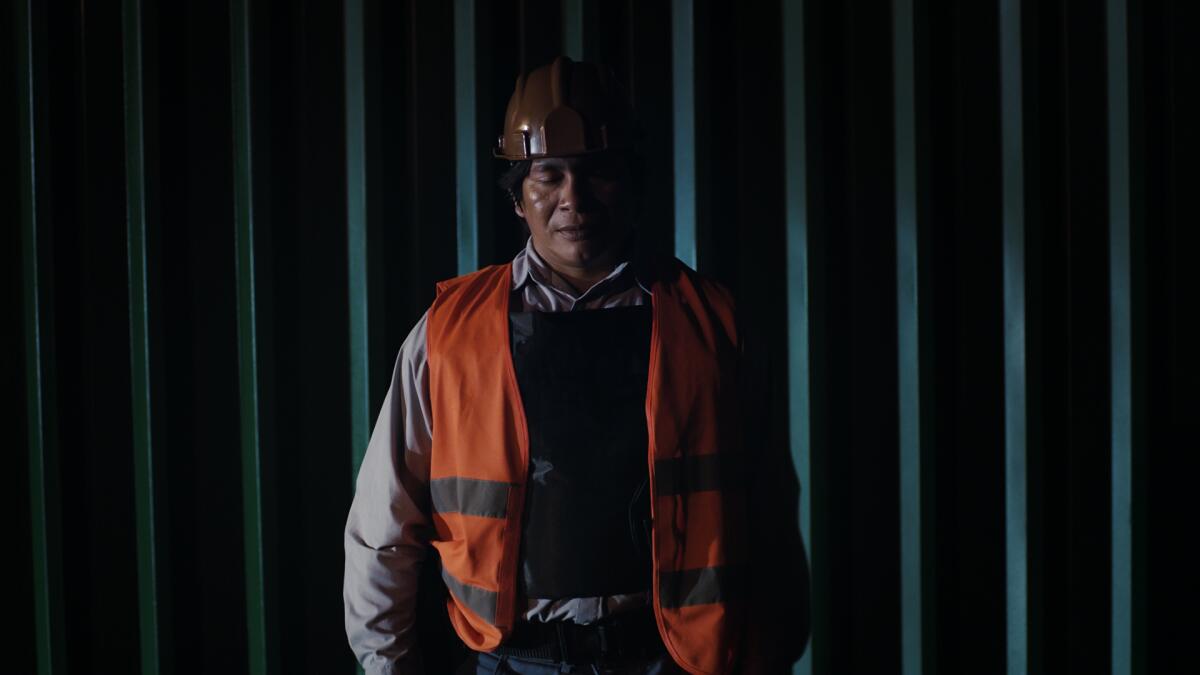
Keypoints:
pixel 582 164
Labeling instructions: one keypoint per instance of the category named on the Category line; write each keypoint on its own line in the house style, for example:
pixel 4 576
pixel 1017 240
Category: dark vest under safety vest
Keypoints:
pixel 480 459
pixel 582 378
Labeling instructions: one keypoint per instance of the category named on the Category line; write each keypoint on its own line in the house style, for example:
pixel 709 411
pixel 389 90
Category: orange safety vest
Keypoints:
pixel 480 456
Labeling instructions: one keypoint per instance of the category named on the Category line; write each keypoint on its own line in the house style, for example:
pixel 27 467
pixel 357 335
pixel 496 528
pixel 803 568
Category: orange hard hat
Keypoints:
pixel 565 108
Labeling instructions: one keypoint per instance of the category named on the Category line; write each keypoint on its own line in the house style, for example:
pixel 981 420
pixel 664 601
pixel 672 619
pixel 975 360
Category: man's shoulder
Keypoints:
pixel 673 273
pixel 465 306
pixel 480 279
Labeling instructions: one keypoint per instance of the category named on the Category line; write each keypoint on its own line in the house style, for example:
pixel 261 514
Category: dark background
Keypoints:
pixel 83 384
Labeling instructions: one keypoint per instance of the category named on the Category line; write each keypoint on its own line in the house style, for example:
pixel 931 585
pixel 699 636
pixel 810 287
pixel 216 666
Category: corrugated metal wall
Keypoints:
pixel 957 231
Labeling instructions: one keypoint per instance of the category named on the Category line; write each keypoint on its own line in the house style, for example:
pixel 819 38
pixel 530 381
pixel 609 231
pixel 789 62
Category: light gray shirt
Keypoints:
pixel 389 525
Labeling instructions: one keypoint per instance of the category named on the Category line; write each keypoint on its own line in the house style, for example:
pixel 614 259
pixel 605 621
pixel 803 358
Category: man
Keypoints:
pixel 564 431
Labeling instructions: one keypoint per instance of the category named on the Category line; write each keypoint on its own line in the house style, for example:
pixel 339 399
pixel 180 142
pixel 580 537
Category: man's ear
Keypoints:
pixel 517 209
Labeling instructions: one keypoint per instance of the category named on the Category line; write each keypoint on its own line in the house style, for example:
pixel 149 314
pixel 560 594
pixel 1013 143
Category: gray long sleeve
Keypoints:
pixel 388 528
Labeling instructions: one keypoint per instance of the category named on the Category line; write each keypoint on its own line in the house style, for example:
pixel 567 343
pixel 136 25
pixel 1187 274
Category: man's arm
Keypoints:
pixel 387 530
pixel 777 630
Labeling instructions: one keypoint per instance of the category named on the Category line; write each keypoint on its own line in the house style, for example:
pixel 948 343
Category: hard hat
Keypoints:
pixel 565 108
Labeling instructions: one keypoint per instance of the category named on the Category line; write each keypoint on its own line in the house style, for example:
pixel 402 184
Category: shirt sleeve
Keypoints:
pixel 388 527
pixel 778 626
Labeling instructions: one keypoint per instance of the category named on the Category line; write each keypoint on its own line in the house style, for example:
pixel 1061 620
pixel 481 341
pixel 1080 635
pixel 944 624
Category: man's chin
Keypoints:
pixel 582 252
pixel 599 248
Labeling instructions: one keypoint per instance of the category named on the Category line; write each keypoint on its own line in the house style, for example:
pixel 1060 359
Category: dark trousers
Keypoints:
pixel 489 664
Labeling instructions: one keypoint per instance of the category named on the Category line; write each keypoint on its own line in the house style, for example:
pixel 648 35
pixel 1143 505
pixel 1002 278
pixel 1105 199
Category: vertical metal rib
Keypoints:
pixel 356 230
pixel 261 653
pixel 799 318
pixel 683 101
pixel 1015 434
pixel 1015 378
pixel 151 546
pixel 916 489
pixel 472 148
pixel 573 39
pixel 578 29
pixel 1125 249
pixel 44 483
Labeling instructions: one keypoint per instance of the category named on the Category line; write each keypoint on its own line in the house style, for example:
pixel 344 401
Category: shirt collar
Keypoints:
pixel 529 267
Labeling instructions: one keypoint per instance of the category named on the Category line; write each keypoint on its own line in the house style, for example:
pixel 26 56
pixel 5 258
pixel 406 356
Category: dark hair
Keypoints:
pixel 514 176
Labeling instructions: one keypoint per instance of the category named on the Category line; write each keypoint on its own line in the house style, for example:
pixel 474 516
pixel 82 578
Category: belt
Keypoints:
pixel 612 641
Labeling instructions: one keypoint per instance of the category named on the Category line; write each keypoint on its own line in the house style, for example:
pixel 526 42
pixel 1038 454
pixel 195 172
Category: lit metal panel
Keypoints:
pixel 914 361
pixel 45 490
pixel 1126 269
pixel 149 475
pixel 263 653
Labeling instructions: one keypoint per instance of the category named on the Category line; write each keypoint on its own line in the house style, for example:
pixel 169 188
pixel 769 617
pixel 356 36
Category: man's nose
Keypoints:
pixel 575 194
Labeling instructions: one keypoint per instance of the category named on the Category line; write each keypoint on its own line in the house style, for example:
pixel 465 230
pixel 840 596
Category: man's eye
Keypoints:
pixel 607 171
pixel 548 177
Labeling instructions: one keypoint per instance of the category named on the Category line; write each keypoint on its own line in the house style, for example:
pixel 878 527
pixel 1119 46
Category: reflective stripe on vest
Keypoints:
pixel 470 496
pixel 480 600
pixel 480 456
pixel 703 586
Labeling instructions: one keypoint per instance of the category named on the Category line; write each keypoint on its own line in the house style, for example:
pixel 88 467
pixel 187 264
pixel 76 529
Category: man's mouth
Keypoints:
pixel 576 232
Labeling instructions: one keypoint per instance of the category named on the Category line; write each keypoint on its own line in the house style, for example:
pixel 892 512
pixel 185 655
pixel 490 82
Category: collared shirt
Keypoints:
pixel 388 528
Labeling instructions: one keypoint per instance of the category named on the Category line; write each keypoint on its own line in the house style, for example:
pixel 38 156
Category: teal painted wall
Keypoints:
pixel 956 232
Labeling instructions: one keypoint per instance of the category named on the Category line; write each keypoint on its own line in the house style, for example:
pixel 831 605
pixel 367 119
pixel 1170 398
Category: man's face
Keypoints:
pixel 577 209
